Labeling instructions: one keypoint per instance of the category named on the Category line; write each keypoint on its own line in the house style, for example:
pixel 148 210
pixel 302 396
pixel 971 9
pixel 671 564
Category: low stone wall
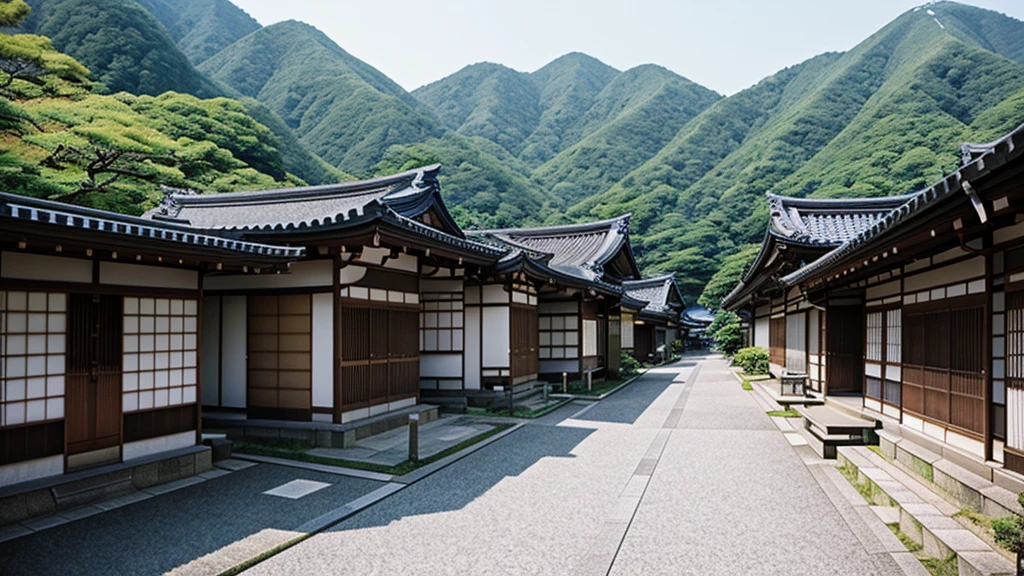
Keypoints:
pixel 58 493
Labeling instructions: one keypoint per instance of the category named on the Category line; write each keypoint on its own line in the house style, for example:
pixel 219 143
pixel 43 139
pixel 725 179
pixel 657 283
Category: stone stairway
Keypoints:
pixel 831 428
pixel 922 514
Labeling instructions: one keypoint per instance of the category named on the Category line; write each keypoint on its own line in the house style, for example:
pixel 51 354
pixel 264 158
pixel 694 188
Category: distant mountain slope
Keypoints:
pixel 633 118
pixel 487 100
pixel 568 86
pixel 202 28
pixel 124 45
pixel 340 107
pixel 884 118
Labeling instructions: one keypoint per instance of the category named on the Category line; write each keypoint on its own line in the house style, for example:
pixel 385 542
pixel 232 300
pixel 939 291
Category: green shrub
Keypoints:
pixel 727 332
pixel 1010 532
pixel 630 366
pixel 753 360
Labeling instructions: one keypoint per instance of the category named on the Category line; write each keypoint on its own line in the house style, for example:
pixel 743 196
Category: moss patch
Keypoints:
pixel 787 413
pixel 949 566
pixel 746 385
pixel 907 542
pixel 922 469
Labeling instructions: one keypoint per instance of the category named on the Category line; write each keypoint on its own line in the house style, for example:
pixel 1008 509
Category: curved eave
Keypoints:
pixel 60 218
pixel 1009 147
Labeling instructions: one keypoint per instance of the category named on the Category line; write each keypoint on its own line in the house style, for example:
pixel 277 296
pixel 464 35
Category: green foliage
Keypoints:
pixel 340 108
pixel 753 359
pixel 629 366
pixel 1009 531
pixel 727 332
pixel 482 189
pixel 42 67
pixel 124 45
pixel 727 276
pixel 12 12
pixel 58 144
pixel 634 117
pixel 202 28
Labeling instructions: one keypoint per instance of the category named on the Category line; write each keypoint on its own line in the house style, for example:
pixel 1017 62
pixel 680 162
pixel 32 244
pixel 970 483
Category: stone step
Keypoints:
pixel 965 485
pixel 89 490
pixel 923 515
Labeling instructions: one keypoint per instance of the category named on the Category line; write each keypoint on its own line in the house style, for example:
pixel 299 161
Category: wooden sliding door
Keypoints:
pixel 379 355
pixel 280 359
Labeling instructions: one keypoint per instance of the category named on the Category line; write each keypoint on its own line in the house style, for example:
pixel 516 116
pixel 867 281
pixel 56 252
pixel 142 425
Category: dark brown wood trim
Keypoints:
pixel 336 320
pixel 986 417
pixel 102 289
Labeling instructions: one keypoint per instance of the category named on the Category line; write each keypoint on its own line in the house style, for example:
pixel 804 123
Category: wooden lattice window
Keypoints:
pixel 33 328
pixel 441 322
pixel 160 341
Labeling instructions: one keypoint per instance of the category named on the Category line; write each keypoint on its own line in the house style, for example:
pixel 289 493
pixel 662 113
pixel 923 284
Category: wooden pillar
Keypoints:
pixel 199 361
pixel 987 354
pixel 336 320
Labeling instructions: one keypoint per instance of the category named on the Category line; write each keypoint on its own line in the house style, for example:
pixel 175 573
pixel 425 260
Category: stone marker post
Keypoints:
pixel 414 437
pixel 590 381
pixel 565 382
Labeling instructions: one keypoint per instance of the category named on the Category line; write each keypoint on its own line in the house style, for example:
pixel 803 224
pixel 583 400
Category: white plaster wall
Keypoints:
pixel 351 274
pixel 495 294
pixel 151 276
pixel 209 383
pixel 761 332
pixel 1015 418
pixel 627 331
pixel 233 362
pixel 441 366
pixel 958 272
pixel 47 268
pixel 471 356
pixel 323 350
pixel 496 336
pixel 590 337
pixel 406 262
pixel 883 290
pixel 301 274
pixel 148 447
pixel 31 470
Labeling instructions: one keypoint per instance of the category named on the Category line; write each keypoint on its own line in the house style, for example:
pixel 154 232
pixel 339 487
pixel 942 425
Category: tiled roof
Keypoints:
pixel 408 193
pixel 657 292
pixel 579 250
pixel 129 227
pixel 821 222
pixel 981 161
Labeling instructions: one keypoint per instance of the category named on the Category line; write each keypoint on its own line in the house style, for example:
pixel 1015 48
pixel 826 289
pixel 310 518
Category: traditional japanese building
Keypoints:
pixel 579 271
pixel 656 325
pixel 910 304
pixel 100 334
pixel 313 308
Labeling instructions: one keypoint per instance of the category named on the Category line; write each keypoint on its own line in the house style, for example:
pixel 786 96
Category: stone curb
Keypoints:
pixel 339 470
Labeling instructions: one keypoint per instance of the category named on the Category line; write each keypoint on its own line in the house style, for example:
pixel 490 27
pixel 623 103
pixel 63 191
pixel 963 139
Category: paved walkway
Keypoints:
pixel 668 476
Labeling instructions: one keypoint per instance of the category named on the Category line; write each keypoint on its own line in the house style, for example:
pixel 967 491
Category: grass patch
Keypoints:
pixel 878 450
pixel 746 385
pixel 756 377
pixel 850 473
pixel 976 518
pixel 907 542
pixel 946 567
pixel 787 413
pixel 298 450
pixel 579 387
pixel 238 569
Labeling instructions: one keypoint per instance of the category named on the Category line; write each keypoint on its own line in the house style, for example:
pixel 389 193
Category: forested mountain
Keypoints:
pixel 340 107
pixel 884 118
pixel 202 28
pixel 574 140
pixel 121 42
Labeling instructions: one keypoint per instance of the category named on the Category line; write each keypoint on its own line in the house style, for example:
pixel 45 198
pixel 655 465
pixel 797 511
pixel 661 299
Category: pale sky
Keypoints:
pixel 726 45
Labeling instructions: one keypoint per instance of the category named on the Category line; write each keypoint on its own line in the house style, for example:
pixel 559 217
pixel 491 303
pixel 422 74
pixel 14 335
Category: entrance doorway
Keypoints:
pixel 94 365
